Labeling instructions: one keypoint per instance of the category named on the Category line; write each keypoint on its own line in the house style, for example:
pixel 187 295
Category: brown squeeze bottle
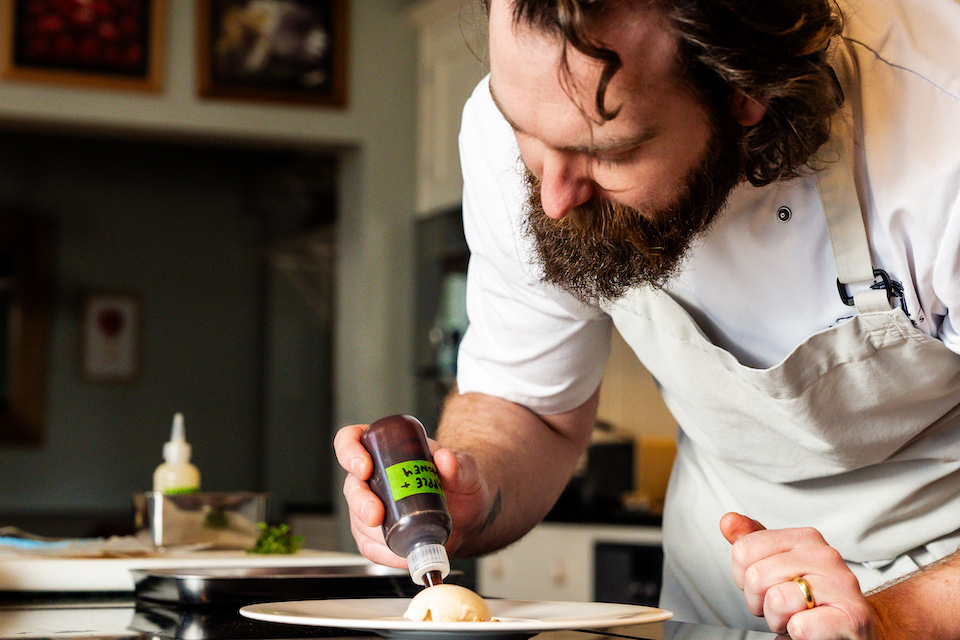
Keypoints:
pixel 416 522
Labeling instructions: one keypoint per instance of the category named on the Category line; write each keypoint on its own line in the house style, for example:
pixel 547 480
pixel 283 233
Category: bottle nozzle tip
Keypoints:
pixel 178 433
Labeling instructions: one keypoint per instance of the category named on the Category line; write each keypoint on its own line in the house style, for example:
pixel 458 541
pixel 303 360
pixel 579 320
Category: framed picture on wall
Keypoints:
pixel 27 246
pixel 273 50
pixel 110 337
pixel 101 43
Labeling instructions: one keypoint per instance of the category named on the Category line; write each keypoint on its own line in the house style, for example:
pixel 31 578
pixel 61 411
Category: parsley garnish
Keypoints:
pixel 276 539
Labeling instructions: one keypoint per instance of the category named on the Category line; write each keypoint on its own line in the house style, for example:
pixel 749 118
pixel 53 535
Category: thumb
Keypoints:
pixel 734 526
pixel 467 496
pixel 458 470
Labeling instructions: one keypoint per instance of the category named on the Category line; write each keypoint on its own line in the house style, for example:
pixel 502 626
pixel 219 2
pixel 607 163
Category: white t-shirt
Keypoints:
pixel 756 285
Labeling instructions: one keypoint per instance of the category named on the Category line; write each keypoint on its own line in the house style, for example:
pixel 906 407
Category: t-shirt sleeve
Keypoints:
pixel 527 342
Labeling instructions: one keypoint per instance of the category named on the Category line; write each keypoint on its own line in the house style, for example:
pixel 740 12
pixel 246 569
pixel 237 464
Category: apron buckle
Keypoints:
pixel 893 288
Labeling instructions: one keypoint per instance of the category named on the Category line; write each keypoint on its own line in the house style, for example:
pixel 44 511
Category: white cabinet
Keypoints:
pixel 452 60
pixel 555 561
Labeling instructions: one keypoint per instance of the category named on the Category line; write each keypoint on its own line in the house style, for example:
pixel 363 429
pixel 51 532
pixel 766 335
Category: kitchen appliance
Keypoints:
pixel 441 311
pixel 627 572
pixel 238 585
pixel 609 471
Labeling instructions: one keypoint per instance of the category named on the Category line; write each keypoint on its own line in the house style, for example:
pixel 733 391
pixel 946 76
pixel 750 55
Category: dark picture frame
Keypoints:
pixel 115 44
pixel 26 291
pixel 291 51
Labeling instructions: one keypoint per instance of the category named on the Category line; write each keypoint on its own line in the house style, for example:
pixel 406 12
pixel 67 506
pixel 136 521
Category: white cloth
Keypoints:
pixel 855 433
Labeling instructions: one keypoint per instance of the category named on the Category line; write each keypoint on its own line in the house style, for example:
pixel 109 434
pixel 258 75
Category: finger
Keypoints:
pixel 737 529
pixel 450 466
pixel 852 619
pixel 734 526
pixel 369 539
pixel 759 545
pixel 458 471
pixel 447 466
pixel 362 502
pixel 466 492
pixel 370 543
pixel 839 609
pixel 767 558
pixel 771 590
pixel 787 599
pixel 773 578
pixel 363 533
pixel 350 452
pixel 777 555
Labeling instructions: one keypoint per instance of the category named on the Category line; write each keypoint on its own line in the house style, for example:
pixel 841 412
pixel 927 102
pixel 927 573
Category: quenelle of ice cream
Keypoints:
pixel 448 603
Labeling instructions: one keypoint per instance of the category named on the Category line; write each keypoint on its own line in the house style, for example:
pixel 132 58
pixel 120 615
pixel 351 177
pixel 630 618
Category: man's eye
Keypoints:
pixel 615 159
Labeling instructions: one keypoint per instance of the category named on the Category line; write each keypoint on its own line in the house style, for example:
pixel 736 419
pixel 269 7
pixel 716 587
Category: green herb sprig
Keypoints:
pixel 276 539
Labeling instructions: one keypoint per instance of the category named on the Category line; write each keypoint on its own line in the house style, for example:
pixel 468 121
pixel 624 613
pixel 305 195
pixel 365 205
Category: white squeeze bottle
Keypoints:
pixel 176 474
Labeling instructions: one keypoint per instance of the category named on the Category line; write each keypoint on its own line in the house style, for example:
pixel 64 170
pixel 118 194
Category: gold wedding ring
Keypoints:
pixel 807 593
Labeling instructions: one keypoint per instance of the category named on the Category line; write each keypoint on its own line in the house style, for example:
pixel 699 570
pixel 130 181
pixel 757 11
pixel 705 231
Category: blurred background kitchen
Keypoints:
pixel 272 268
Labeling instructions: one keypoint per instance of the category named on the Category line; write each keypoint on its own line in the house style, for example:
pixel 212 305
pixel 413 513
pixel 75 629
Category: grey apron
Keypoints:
pixel 856 432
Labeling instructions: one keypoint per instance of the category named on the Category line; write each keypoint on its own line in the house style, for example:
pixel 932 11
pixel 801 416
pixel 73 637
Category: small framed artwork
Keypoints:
pixel 95 43
pixel 273 50
pixel 110 337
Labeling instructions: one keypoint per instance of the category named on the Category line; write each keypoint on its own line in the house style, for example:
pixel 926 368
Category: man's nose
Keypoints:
pixel 565 183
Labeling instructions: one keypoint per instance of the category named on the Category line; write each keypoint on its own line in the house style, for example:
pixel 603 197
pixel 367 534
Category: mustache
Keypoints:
pixel 602 248
pixel 609 222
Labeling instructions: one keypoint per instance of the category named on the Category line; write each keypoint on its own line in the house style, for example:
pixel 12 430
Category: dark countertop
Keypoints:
pixel 98 616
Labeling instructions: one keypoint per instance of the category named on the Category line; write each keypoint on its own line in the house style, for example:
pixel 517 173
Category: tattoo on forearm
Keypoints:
pixel 494 511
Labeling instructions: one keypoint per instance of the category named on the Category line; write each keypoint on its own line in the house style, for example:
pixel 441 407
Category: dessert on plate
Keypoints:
pixel 448 603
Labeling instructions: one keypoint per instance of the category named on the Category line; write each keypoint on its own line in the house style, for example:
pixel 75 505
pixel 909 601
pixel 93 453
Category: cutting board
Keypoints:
pixel 54 574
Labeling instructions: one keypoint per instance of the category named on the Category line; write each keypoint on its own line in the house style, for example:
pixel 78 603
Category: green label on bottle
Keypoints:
pixel 179 491
pixel 411 477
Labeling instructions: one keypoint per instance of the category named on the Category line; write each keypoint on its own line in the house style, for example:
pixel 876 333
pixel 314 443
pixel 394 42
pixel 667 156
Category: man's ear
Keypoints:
pixel 747 110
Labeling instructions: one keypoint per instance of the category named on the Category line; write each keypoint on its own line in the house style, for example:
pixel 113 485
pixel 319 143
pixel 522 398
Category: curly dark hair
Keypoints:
pixel 775 51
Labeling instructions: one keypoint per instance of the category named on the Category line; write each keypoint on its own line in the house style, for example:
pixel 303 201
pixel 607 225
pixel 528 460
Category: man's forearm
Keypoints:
pixel 923 605
pixel 525 459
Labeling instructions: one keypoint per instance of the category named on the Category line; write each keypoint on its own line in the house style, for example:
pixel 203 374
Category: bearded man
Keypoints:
pixel 762 196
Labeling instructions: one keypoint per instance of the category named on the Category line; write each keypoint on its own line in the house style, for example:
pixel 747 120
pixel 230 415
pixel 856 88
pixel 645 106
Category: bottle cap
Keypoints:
pixel 426 558
pixel 177 449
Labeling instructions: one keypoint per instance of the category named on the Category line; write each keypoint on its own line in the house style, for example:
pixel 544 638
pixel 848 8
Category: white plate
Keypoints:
pixel 516 618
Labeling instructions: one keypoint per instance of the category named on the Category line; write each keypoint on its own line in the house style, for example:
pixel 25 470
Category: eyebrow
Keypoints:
pixel 611 146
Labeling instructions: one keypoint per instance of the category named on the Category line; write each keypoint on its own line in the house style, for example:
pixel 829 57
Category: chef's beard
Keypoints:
pixel 602 249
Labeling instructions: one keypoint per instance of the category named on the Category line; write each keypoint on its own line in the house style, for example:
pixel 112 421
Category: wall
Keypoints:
pixel 374 141
pixel 172 227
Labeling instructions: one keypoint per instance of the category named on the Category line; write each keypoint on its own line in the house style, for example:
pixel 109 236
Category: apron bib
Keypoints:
pixel 856 432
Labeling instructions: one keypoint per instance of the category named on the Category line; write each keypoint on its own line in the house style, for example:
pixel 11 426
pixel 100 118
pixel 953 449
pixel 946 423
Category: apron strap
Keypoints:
pixel 845 216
